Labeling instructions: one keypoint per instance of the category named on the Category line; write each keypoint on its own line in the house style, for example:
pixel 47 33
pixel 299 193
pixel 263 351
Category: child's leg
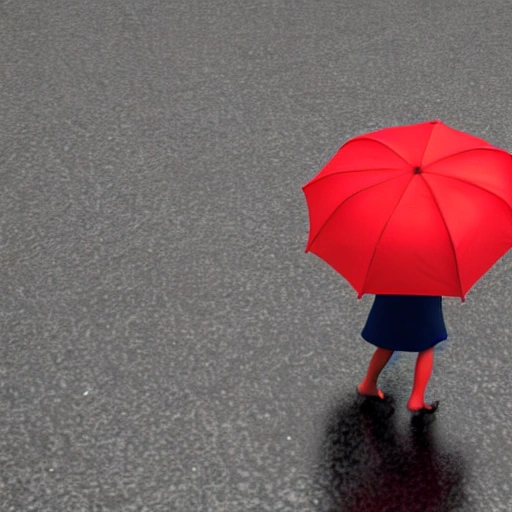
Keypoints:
pixel 422 372
pixel 369 384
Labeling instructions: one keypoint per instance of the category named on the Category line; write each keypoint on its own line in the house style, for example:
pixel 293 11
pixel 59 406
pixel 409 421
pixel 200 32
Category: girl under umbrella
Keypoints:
pixel 411 214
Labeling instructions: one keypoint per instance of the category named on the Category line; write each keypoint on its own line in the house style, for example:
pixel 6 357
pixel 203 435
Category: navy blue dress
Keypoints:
pixel 409 323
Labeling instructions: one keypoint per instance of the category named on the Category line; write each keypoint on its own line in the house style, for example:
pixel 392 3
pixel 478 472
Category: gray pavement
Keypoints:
pixel 166 345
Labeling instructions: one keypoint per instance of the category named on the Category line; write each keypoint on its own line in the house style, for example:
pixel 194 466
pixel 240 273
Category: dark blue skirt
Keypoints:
pixel 409 323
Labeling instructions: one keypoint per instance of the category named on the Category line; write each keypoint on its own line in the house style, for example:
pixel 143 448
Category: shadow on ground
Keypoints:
pixel 368 464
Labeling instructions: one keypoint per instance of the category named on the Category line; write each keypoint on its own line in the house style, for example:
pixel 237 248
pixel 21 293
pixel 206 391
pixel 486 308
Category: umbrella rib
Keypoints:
pixel 385 145
pixel 382 232
pixel 473 185
pixel 449 235
pixel 343 202
pixel 428 141
pixel 463 151
pixel 316 180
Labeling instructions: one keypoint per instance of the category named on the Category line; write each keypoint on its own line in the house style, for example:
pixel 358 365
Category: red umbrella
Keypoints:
pixel 415 210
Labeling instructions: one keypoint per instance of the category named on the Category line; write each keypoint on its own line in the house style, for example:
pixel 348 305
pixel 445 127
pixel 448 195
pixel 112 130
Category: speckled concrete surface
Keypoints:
pixel 166 345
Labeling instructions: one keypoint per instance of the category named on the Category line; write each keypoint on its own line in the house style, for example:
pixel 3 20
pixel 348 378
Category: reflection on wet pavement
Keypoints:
pixel 368 465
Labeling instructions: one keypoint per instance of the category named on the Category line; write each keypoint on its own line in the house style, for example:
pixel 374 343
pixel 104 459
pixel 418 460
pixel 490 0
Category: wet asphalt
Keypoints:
pixel 166 345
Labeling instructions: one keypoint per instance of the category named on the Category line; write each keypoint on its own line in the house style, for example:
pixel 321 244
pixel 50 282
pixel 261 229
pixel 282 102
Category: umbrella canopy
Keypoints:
pixel 416 210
